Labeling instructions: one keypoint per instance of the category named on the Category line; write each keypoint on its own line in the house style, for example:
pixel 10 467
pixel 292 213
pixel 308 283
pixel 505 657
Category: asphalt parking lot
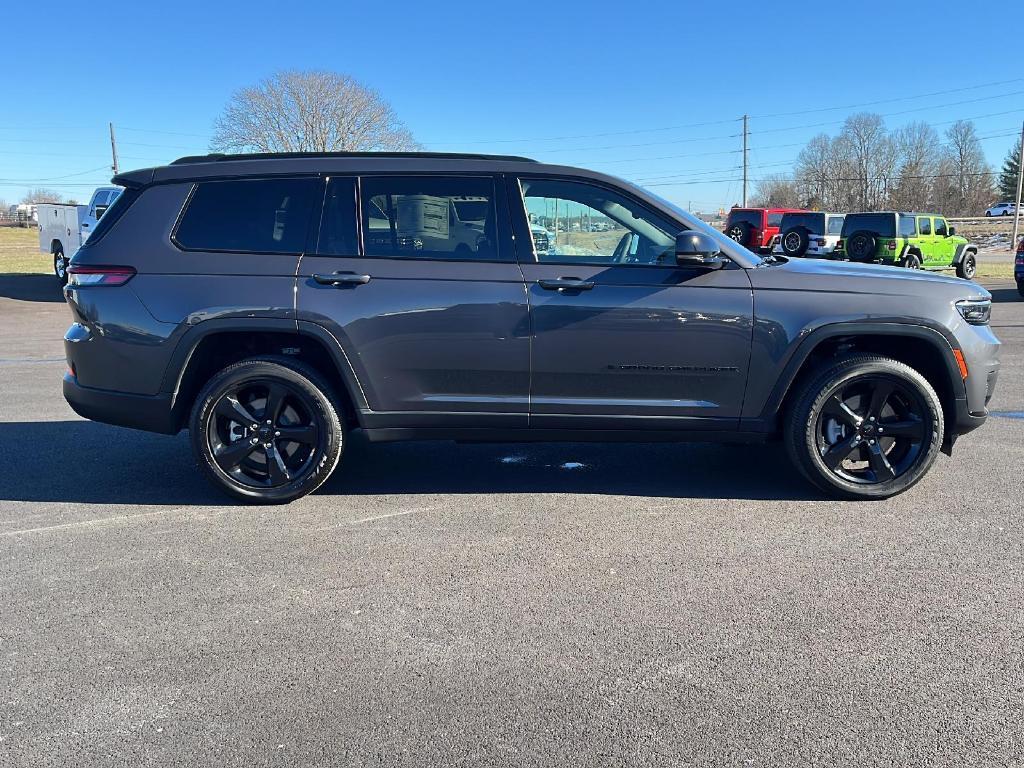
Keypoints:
pixel 440 604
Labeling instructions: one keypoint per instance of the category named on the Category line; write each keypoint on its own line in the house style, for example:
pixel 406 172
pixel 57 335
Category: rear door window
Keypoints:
pixel 248 216
pixel 924 225
pixel 429 217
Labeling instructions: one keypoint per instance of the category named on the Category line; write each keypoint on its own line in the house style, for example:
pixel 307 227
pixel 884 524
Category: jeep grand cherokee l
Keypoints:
pixel 270 304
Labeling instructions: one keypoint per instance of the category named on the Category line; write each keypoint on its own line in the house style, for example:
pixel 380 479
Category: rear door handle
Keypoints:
pixel 342 278
pixel 566 284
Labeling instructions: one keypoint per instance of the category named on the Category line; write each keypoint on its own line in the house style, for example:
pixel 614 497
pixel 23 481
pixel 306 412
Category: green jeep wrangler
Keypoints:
pixel 912 240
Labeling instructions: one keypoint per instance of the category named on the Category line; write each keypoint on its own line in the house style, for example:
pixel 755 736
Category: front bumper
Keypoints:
pixel 152 413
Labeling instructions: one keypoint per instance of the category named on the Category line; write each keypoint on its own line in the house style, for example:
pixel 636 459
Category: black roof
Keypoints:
pixel 217 157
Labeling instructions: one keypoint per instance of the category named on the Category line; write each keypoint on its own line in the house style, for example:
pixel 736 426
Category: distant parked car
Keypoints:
pixel 1018 267
pixel 1002 209
pixel 912 240
pixel 756 228
pixel 814 235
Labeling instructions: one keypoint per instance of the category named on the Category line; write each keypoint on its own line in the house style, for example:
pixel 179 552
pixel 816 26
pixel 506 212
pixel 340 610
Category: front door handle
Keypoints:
pixel 566 284
pixel 342 278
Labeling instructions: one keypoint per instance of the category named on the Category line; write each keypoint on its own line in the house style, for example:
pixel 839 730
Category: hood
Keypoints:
pixel 851 277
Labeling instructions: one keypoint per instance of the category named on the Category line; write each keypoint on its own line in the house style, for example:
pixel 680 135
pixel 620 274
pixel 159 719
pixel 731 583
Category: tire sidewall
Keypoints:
pixel 803 243
pixel 59 259
pixel 318 398
pixel 801 427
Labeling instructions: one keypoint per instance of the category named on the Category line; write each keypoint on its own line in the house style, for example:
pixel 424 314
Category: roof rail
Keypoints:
pixel 217 157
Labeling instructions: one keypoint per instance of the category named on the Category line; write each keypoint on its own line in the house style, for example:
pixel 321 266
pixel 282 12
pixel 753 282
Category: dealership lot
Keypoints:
pixel 463 604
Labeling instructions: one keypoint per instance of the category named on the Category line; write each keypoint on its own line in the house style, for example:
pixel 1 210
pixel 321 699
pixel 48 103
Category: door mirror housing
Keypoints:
pixel 952 231
pixel 695 249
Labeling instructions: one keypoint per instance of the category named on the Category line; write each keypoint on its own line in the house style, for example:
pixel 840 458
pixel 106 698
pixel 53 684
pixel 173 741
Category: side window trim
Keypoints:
pixel 522 219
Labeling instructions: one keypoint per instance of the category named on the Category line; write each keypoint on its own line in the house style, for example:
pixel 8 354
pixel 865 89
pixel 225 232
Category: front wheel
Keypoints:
pixel 968 266
pixel 265 431
pixel 865 428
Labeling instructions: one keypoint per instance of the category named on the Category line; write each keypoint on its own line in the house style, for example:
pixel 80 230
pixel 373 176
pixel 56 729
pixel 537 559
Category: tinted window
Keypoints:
pixel 588 224
pixel 835 225
pixel 774 219
pixel 881 224
pixel 907 226
pixel 248 216
pixel 812 222
pixel 940 227
pixel 753 218
pixel 338 224
pixel 429 217
pixel 924 226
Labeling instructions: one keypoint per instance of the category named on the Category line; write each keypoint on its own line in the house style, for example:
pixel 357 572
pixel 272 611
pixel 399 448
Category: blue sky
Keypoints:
pixel 648 91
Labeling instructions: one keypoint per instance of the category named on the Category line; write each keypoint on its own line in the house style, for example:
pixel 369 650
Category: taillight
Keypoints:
pixel 892 245
pixel 80 274
pixel 839 245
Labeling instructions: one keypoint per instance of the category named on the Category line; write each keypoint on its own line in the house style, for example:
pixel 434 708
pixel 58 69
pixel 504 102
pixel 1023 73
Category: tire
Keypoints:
pixel 866 463
pixel 911 261
pixel 795 241
pixel 230 415
pixel 861 246
pixel 1006 213
pixel 60 266
pixel 967 268
pixel 741 232
pixel 988 213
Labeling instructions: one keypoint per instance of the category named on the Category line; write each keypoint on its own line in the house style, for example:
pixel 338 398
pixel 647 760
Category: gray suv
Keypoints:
pixel 270 304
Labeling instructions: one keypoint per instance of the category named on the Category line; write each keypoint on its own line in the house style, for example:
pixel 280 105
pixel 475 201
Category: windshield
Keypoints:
pixel 881 224
pixel 700 226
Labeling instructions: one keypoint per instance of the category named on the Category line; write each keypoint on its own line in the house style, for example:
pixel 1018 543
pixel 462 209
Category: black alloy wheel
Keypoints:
pixel 968 266
pixel 861 246
pixel 265 431
pixel 867 428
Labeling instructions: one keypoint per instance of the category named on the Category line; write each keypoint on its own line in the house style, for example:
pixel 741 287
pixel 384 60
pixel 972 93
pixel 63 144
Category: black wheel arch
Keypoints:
pixel 962 250
pixel 211 345
pixel 927 349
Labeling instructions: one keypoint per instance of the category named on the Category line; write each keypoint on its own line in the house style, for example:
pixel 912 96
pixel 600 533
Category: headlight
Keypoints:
pixel 975 311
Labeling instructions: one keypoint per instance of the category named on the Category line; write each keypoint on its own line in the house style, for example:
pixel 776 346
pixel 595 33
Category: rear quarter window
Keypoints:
pixel 753 218
pixel 116 210
pixel 881 224
pixel 248 216
pixel 774 219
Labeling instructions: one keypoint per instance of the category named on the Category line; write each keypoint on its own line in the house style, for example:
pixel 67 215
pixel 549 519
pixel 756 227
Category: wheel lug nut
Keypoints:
pixel 267 445
pixel 277 434
pixel 871 442
pixel 254 441
pixel 255 426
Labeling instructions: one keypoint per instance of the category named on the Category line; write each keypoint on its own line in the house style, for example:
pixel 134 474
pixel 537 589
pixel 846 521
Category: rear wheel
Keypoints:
pixel 266 431
pixel 60 265
pixel 912 261
pixel 865 428
pixel 968 266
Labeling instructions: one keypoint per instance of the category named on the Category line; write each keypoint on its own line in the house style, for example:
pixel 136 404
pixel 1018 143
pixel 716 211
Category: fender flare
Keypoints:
pixel 194 335
pixel 963 249
pixel 933 335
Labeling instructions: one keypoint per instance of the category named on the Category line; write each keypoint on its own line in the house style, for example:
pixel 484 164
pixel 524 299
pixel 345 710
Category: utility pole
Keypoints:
pixel 1020 180
pixel 113 148
pixel 745 117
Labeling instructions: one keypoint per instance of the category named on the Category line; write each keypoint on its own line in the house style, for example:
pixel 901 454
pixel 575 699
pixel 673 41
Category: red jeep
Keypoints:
pixel 756 228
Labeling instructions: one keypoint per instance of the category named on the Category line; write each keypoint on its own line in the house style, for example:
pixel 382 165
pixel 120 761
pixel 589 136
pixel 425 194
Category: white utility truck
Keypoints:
pixel 63 227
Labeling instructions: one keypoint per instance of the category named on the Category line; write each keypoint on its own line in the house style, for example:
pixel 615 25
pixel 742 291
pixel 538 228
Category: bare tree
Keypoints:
pixel 815 172
pixel 970 181
pixel 919 149
pixel 777 191
pixel 309 112
pixel 869 156
pixel 41 195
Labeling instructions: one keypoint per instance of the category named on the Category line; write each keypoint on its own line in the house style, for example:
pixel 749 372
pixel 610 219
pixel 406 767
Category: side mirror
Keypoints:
pixel 695 249
pixel 952 231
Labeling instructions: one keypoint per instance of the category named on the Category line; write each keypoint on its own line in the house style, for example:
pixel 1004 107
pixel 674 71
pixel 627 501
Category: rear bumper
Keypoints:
pixel 151 413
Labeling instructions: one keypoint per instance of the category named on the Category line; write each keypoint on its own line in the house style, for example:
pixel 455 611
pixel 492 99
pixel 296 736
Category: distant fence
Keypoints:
pixel 17 219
